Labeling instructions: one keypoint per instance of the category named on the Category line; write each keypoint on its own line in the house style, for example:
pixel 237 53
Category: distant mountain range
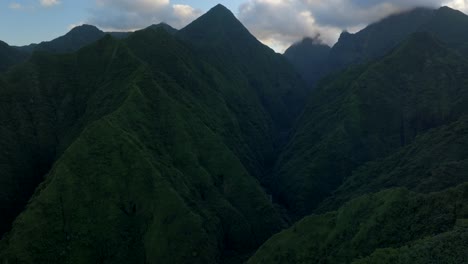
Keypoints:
pixel 202 145
pixel 74 40
pixel 378 39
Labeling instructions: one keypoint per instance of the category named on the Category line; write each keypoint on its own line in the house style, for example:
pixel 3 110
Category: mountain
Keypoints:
pixel 225 42
pixel 9 56
pixel 144 149
pixel 81 36
pixel 379 158
pixel 379 38
pixel 308 57
pixel 367 113
pixel 163 26
pixel 77 38
pixel 202 145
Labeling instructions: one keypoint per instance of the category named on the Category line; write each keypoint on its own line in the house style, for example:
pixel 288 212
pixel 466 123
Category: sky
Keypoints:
pixel 277 23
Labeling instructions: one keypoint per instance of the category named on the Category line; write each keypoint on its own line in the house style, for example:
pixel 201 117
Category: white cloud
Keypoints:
pixel 461 5
pixel 185 14
pixel 15 6
pixel 48 3
pixel 130 15
pixel 279 23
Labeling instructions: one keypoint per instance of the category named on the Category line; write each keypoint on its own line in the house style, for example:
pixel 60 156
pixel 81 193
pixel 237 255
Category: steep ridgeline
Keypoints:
pixel 379 38
pixel 367 113
pixel 226 43
pixel 163 26
pixel 77 38
pixel 81 36
pixel 309 57
pixel 151 148
pixel 9 56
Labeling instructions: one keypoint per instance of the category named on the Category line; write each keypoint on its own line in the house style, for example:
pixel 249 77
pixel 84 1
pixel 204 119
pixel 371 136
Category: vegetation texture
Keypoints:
pixel 202 145
pixel 146 150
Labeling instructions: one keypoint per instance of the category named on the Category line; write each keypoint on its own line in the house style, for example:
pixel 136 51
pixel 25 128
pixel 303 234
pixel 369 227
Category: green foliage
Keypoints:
pixel 436 160
pixel 447 248
pixel 389 219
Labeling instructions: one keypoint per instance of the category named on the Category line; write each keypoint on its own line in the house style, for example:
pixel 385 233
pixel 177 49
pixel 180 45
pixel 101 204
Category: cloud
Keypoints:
pixel 15 6
pixel 48 3
pixel 348 13
pixel 279 23
pixel 130 15
pixel 461 5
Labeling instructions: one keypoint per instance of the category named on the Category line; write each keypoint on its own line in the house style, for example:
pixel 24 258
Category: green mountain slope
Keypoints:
pixel 369 113
pixel 226 43
pixel 152 156
pixel 436 160
pixel 447 248
pixel 41 113
pixel 9 56
pixel 380 223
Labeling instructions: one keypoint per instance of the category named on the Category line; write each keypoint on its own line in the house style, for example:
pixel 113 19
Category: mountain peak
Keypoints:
pixel 220 8
pixel 218 24
pixel 163 26
pixel 85 28
pixel 220 12
pixel 446 8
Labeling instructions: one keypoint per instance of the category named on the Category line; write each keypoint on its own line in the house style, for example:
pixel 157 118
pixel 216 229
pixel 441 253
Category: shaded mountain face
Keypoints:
pixel 9 56
pixel 385 142
pixel 367 113
pixel 377 39
pixel 146 149
pixel 308 57
pixel 226 43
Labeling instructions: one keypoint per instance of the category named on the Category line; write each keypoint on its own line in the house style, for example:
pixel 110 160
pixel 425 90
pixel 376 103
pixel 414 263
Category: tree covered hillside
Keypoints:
pixel 149 145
